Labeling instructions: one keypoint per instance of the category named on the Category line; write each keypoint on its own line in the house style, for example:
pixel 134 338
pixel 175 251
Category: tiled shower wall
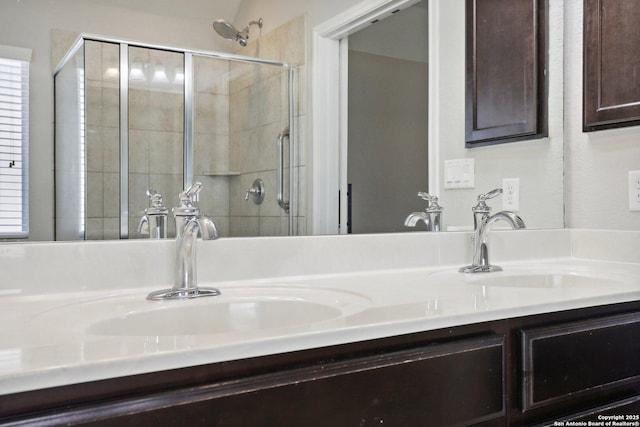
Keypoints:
pixel 102 141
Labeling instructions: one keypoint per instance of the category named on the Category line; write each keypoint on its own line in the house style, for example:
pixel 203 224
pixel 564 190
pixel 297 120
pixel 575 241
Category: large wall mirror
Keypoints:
pixel 409 53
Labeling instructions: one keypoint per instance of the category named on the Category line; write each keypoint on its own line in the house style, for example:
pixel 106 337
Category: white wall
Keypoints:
pixel 596 163
pixel 538 163
pixel 28 23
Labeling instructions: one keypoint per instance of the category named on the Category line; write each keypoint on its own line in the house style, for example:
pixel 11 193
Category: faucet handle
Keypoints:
pixel 482 206
pixel 433 205
pixel 427 197
pixel 188 194
pixel 490 195
pixel 186 201
pixel 155 199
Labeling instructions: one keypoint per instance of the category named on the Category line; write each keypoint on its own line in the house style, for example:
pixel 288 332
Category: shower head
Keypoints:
pixel 228 31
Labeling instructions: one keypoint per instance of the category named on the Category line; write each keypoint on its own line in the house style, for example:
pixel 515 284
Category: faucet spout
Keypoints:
pixel 481 238
pixel 484 223
pixel 432 215
pixel 186 276
pixel 208 228
pixel 415 217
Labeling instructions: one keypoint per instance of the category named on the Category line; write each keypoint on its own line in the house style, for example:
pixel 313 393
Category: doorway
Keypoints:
pixel 387 131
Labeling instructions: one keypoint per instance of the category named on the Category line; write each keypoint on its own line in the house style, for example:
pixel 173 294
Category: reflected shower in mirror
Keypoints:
pixel 173 118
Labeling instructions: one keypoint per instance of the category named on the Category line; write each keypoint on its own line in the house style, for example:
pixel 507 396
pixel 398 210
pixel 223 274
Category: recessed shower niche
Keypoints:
pixel 131 117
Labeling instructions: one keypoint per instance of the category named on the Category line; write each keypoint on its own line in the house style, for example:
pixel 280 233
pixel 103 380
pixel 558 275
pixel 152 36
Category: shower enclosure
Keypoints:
pixel 132 117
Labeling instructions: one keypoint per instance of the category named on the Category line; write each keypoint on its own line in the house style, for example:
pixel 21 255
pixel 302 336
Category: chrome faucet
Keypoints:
pixel 432 215
pixel 189 222
pixel 482 224
pixel 154 220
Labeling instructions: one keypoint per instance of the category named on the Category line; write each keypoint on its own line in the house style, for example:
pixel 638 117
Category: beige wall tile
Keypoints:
pixel 243 226
pixel 211 75
pixel 166 111
pixel 138 199
pixel 110 149
pixel 94 195
pixel 273 226
pixel 211 113
pixel 111 195
pixel 94 229
pixel 94 149
pixel 93 60
pixel 139 151
pixel 214 197
pixel 111 229
pixel 139 106
pixel 166 152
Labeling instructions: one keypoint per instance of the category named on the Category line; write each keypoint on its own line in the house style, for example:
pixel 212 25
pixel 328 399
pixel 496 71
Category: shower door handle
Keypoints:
pixel 284 204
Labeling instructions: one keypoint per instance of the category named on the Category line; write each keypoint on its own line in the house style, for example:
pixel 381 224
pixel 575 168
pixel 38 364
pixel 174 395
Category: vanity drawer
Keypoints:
pixel 454 383
pixel 578 359
pixel 626 410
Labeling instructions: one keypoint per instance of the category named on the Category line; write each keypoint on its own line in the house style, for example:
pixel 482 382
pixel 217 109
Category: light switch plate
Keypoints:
pixel 634 190
pixel 459 173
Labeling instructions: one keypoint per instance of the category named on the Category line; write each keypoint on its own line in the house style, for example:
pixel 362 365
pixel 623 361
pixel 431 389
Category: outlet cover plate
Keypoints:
pixel 511 194
pixel 634 191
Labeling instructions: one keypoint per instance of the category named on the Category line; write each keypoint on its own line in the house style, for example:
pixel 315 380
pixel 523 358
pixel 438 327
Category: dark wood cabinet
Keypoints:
pixel 506 55
pixel 611 64
pixel 535 370
pixel 623 411
pixel 459 382
pixel 565 361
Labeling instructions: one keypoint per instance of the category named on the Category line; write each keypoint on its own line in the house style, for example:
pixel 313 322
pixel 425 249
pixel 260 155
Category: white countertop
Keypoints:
pixel 44 341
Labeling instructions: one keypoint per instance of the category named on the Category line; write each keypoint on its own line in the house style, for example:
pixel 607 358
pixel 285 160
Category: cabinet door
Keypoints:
pixel 506 59
pixel 612 64
pixel 456 383
pixel 622 411
pixel 579 360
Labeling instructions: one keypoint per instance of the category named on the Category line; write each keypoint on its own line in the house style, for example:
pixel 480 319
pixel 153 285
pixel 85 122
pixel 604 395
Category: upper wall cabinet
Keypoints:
pixel 506 57
pixel 611 64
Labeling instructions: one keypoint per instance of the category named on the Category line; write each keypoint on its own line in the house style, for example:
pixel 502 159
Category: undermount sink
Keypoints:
pixel 557 279
pixel 236 310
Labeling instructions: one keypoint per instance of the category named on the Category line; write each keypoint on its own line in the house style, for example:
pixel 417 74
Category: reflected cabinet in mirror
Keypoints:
pixel 506 71
pixel 612 63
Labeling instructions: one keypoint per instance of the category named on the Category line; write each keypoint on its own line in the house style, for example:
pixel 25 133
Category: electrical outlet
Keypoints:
pixel 634 190
pixel 511 194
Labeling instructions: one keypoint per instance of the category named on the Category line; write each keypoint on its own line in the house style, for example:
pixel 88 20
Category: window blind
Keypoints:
pixel 14 138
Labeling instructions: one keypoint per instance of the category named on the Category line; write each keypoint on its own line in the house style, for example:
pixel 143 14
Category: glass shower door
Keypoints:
pixel 155 132
pixel 240 111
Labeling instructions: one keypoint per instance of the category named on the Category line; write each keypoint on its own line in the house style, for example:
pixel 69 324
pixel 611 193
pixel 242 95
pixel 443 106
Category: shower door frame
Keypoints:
pixel 188 128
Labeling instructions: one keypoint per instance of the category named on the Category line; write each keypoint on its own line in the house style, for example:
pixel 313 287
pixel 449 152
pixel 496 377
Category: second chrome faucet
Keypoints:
pixel 483 223
pixel 431 216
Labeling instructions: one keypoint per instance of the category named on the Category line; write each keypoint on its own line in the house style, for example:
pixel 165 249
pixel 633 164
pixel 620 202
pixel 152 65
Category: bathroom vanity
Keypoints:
pixel 368 342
